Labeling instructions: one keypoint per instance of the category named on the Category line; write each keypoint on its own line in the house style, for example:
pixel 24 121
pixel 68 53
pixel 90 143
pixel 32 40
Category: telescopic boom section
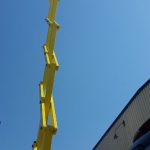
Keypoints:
pixel 46 130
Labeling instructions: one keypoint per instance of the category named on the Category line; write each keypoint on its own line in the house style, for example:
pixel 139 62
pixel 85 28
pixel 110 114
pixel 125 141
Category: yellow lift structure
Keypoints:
pixel 46 129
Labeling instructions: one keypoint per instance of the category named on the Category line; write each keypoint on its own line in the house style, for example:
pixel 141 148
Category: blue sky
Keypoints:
pixel 103 49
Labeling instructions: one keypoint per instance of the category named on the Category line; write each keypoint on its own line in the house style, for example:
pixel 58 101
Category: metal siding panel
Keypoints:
pixel 134 116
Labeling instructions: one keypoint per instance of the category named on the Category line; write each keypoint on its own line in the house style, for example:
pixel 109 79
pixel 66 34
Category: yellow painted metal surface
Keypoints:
pixel 46 129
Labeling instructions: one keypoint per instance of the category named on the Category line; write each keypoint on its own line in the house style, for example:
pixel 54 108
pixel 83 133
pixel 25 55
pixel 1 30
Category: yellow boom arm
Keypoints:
pixel 46 130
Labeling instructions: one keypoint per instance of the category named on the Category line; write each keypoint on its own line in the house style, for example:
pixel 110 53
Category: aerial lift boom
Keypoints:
pixel 46 129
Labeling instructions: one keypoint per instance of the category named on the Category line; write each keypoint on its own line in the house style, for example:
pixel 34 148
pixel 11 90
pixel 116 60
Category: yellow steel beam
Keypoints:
pixel 53 9
pixel 53 115
pixel 44 139
pixel 48 138
pixel 50 42
pixel 46 129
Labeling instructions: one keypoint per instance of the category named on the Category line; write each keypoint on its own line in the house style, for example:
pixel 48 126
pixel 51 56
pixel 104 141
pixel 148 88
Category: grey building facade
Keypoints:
pixel 120 134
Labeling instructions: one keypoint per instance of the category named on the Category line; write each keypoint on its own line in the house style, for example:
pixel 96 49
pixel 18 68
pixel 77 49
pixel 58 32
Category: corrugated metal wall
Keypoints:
pixel 120 135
